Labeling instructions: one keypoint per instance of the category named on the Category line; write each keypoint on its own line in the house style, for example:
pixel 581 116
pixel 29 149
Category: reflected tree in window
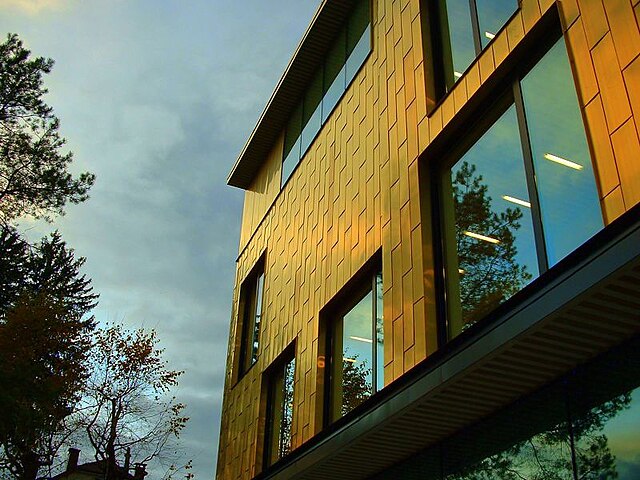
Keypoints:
pixel 547 455
pixel 356 386
pixel 287 409
pixel 488 270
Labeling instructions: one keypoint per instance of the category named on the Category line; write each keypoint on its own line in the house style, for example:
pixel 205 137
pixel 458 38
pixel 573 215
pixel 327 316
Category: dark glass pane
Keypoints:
pixel 460 39
pixel 291 148
pixel 379 333
pixel 293 130
pixel 566 186
pixel 492 15
pixel 357 354
pixel 493 239
pixel 359 21
pixel 312 113
pixel 529 441
pixel 334 75
pixel 291 161
pixel 256 323
pixel 358 55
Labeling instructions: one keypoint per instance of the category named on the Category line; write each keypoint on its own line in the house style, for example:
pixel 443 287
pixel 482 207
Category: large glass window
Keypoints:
pixel 343 61
pixel 251 294
pixel 521 197
pixel 357 350
pixel 278 430
pixel 465 28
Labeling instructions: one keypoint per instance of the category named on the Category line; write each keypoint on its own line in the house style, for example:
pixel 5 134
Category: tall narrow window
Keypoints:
pixel 357 350
pixel 521 198
pixel 280 409
pixel 251 294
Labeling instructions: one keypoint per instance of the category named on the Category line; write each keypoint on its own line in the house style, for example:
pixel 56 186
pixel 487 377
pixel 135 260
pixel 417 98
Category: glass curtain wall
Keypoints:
pixel 521 197
pixel 343 61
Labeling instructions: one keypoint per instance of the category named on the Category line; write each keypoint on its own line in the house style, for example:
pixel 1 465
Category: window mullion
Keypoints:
pixel 538 228
pixel 475 25
pixel 374 336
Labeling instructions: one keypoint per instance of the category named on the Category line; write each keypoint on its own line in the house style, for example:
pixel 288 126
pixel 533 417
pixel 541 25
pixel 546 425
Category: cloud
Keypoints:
pixel 35 7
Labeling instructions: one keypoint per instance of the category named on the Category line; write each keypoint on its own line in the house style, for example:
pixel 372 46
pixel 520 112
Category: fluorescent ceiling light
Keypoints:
pixel 511 199
pixel 457 74
pixel 563 161
pixel 350 360
pixel 490 35
pixel 481 237
pixel 361 339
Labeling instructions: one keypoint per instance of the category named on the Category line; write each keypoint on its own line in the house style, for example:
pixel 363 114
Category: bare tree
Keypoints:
pixel 127 404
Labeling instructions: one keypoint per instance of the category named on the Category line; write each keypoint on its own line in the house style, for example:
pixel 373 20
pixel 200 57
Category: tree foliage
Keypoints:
pixel 43 351
pixel 490 272
pixel 34 176
pixel 48 267
pixel 44 340
pixel 126 402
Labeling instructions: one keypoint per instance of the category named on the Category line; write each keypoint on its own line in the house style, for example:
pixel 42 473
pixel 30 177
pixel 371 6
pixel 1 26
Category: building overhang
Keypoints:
pixel 309 55
pixel 585 305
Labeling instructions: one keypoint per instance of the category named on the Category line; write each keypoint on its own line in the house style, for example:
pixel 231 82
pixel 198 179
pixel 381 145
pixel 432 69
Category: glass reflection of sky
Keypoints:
pixel 498 158
pixel 623 433
pixel 461 35
pixel 568 197
pixel 358 55
pixel 492 15
pixel 357 323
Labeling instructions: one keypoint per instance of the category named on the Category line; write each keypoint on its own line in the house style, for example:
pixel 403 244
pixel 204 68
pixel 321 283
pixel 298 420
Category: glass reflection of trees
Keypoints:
pixel 489 272
pixel 358 352
pixel 284 446
pixel 548 455
pixel 523 195
pixel 280 412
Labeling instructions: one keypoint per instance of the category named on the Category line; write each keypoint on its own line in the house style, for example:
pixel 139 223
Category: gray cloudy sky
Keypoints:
pixel 157 97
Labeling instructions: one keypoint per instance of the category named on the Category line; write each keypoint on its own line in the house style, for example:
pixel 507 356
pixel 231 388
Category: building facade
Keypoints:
pixel 439 264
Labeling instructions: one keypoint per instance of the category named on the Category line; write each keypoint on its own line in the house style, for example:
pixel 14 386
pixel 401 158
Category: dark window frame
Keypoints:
pixel 274 380
pixel 437 48
pixel 333 314
pixel 251 299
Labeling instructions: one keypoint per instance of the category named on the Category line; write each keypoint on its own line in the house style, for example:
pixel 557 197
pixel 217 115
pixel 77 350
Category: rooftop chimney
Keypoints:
pixel 127 460
pixel 72 463
pixel 140 471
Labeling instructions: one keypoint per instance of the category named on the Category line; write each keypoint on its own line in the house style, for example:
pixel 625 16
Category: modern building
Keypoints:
pixel 439 264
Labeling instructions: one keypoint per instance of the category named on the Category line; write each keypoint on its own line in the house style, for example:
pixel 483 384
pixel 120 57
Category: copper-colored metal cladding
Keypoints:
pixel 362 188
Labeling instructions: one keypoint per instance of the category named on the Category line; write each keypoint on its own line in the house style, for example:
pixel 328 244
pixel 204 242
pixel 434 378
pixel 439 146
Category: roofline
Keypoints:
pixel 317 39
